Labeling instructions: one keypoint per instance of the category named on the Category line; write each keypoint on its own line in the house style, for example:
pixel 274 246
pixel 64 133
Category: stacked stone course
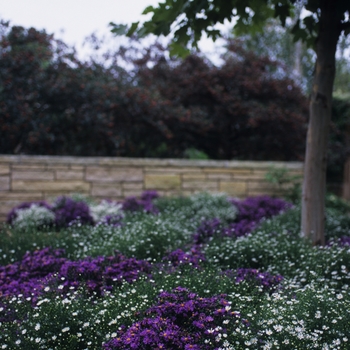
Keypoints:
pixel 31 178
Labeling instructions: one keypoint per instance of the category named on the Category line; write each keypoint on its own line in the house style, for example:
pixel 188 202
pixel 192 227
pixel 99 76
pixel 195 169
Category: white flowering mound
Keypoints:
pixel 105 208
pixel 34 216
pixel 213 205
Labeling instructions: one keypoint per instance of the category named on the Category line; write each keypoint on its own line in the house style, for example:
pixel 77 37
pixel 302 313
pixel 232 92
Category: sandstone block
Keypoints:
pixel 50 186
pixel 201 185
pixel 4 169
pixel 77 167
pixel 58 167
pixel 171 170
pixel 165 181
pixel 131 193
pixel 4 183
pixel 32 175
pixel 193 177
pixel 227 171
pixel 218 176
pixel 69 174
pixel 133 186
pixel 233 188
pixel 29 167
pixel 247 177
pixel 106 191
pixel 20 196
pixel 114 174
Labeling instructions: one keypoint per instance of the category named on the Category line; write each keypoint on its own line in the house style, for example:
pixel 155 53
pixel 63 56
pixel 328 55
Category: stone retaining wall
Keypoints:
pixel 29 178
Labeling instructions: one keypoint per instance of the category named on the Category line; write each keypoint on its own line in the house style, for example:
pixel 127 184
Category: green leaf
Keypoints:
pixel 119 29
pixel 181 35
pixel 147 10
pixel 147 28
pixel 298 33
pixel 310 24
pixel 282 11
pixel 178 50
pixel 132 29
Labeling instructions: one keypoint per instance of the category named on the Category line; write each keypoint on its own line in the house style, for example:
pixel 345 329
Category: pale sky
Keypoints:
pixel 74 20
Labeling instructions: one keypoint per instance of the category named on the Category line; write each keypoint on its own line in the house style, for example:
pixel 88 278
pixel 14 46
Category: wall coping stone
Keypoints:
pixel 118 161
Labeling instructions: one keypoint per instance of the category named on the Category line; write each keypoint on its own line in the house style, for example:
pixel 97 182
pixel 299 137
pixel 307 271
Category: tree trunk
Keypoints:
pixel 314 186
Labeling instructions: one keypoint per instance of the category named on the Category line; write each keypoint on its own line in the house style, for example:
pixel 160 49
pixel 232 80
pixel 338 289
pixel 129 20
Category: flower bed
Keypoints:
pixel 202 272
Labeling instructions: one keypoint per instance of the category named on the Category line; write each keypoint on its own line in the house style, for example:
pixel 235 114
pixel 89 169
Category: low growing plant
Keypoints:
pixel 180 280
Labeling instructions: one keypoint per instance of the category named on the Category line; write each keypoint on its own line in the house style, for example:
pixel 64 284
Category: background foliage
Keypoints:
pixel 248 108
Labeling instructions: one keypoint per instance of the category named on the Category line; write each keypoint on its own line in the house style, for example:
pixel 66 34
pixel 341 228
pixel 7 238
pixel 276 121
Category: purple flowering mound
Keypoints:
pixel 68 210
pixel 179 320
pixel 112 220
pixel 343 241
pixel 252 210
pixel 102 273
pixel 27 277
pixel 266 280
pixel 207 230
pixel 179 257
pixel 145 203
pixel 47 268
pixel 149 195
pixel 11 216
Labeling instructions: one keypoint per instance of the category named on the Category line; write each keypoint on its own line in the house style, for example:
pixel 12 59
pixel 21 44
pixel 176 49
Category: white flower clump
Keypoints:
pixel 217 205
pixel 34 216
pixel 104 208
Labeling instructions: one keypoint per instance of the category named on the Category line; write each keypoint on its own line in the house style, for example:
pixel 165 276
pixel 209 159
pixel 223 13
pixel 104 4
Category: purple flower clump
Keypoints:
pixel 342 241
pixel 145 203
pixel 102 273
pixel 258 208
pixel 240 228
pixel 27 277
pixel 68 211
pixel 179 320
pixel 112 220
pixel 207 230
pixel 252 210
pixel 263 279
pixel 48 268
pixel 179 257
pixel 11 216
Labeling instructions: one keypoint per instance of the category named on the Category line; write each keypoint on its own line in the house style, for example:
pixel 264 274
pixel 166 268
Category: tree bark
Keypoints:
pixel 314 185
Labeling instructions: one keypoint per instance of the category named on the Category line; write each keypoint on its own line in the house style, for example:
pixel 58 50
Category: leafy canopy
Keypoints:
pixel 188 19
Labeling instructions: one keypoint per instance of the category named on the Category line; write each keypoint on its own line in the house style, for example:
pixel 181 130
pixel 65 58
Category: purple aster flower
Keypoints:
pixel 264 279
pixel 68 211
pixel 178 257
pixel 251 211
pixel 207 230
pixel 179 320
pixel 143 204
